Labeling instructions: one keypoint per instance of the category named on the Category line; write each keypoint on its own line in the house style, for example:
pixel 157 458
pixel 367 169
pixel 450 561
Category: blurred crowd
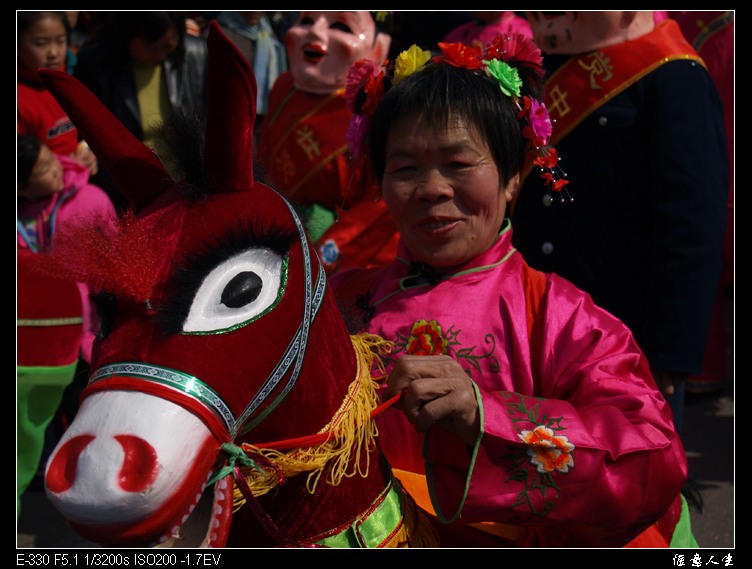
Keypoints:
pixel 642 220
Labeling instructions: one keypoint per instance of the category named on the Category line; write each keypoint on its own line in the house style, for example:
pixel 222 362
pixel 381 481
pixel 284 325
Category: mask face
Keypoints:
pixel 321 46
pixel 578 32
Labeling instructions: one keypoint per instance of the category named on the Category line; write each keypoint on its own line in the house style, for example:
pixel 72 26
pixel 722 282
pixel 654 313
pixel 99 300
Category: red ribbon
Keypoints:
pixel 320 438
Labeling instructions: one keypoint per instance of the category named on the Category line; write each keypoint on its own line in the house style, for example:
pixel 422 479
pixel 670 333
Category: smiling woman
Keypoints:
pixel 509 378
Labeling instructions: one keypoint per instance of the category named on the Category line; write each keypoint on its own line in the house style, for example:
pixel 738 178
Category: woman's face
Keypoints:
pixel 46 177
pixel 154 53
pixel 444 191
pixel 321 46
pixel 44 44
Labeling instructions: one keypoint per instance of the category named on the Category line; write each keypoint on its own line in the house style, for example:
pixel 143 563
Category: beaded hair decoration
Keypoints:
pixel 499 60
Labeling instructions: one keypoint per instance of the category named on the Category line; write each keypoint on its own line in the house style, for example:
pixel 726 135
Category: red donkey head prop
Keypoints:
pixel 223 362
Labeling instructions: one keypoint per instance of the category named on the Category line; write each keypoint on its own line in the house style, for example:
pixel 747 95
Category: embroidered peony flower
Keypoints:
pixel 426 339
pixel 550 460
pixel 461 55
pixel 548 452
pixel 410 61
pixel 544 436
pixel 507 76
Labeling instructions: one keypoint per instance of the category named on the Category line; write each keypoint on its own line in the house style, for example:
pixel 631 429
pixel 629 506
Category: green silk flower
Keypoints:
pixel 507 76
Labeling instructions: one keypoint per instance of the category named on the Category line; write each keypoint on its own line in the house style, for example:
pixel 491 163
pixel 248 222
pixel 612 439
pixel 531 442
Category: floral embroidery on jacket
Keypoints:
pixel 427 338
pixel 548 453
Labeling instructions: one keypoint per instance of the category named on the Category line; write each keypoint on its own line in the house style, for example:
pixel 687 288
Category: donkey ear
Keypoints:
pixel 135 169
pixel 230 115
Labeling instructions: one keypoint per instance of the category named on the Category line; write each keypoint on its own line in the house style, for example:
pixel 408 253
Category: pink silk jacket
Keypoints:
pixel 585 454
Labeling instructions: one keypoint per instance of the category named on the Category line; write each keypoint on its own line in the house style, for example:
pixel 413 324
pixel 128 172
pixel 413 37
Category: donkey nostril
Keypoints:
pixel 139 464
pixel 61 471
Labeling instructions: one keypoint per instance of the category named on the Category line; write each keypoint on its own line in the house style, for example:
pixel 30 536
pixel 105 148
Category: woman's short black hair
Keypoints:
pixel 439 91
pixel 119 28
pixel 29 147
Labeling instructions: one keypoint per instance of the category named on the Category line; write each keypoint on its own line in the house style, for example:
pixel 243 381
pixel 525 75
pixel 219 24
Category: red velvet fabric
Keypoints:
pixel 40 297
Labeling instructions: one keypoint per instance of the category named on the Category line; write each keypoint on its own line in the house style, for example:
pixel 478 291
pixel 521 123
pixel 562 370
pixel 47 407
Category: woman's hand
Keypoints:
pixel 437 391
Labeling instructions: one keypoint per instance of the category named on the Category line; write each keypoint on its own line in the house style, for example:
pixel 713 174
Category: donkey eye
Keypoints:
pixel 238 291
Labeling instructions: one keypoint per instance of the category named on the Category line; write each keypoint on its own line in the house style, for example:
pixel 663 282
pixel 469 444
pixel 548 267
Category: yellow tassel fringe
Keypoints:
pixel 352 432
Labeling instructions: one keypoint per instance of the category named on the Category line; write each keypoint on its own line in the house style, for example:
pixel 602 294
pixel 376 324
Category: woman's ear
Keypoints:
pixel 511 189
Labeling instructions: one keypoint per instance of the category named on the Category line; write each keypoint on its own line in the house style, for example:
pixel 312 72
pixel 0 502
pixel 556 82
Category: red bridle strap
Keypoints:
pixel 216 425
pixel 320 438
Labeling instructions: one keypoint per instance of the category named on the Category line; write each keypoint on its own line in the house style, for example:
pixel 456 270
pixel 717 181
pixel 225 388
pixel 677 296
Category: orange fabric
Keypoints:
pixel 415 485
pixel 651 537
pixel 534 283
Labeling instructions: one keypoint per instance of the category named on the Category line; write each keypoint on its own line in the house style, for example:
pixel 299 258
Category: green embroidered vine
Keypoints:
pixel 548 452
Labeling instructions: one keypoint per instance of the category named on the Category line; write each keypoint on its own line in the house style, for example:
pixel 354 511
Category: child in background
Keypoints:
pixel 43 44
pixel 53 191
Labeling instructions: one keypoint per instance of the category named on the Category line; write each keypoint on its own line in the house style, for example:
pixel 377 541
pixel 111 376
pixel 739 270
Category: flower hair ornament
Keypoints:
pixel 500 60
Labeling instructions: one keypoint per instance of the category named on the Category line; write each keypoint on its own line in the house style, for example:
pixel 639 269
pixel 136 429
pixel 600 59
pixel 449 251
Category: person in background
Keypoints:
pixel 641 124
pixel 254 36
pixel 71 57
pixel 83 27
pixel 142 66
pixel 303 139
pixel 42 43
pixel 48 347
pixel 283 20
pixel 712 36
pixel 485 26
pixel 524 414
pixel 53 194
